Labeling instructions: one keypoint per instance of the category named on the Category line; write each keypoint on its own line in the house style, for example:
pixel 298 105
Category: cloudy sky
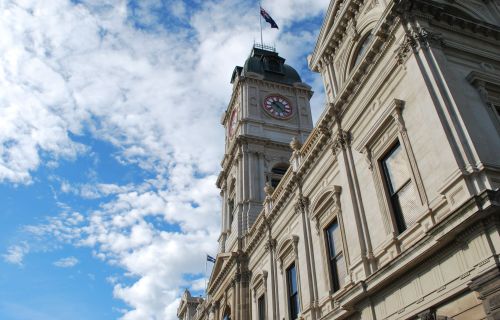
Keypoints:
pixel 110 144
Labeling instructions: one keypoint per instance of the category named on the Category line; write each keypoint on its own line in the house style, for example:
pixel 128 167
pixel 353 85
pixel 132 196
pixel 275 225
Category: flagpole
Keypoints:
pixel 260 19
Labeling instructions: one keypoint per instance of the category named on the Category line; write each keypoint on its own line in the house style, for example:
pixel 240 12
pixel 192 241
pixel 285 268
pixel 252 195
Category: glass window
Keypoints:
pixel 401 188
pixel 261 304
pixel 231 209
pixel 293 295
pixel 277 173
pixel 362 49
pixel 335 256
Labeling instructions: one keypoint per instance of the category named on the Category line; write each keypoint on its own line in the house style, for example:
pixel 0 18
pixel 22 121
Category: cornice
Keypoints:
pixel 329 17
pixel 300 87
pixel 437 14
pixel 383 39
pixel 341 13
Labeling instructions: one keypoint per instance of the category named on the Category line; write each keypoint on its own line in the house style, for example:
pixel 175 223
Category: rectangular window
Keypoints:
pixel 401 188
pixel 231 210
pixel 293 294
pixel 261 304
pixel 335 256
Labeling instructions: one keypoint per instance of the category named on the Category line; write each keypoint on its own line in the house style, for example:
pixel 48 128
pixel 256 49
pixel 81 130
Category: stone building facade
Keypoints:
pixel 388 208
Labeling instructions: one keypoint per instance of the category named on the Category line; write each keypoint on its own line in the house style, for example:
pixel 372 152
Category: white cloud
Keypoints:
pixel 15 254
pixel 156 95
pixel 66 262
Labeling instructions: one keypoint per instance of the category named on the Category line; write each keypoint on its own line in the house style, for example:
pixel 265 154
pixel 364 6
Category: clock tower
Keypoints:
pixel 269 106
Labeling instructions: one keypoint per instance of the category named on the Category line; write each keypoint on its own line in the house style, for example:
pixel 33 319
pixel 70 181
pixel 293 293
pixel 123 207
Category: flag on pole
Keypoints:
pixel 210 258
pixel 268 18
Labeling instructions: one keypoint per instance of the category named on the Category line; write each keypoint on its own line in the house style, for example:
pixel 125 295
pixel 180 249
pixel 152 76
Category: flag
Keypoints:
pixel 268 18
pixel 210 259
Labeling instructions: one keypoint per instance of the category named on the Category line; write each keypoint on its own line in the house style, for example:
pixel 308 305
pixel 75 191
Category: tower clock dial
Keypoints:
pixel 278 106
pixel 233 122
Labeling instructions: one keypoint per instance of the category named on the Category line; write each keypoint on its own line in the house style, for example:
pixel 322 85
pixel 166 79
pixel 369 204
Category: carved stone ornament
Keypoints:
pixel 427 315
pixel 270 245
pixel 341 141
pixel 268 189
pixel 214 306
pixel 397 114
pixel 295 144
pixel 368 157
pixel 426 39
pixel 301 205
pixel 481 88
pixel 324 130
pixel 404 50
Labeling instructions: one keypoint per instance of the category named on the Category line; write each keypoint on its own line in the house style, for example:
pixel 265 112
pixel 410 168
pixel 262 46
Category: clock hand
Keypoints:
pixel 278 106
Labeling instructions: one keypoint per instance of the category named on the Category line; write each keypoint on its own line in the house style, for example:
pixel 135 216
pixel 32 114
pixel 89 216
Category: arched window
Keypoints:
pixel 360 51
pixel 277 172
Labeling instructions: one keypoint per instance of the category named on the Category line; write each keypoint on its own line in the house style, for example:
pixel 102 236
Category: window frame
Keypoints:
pixel 326 210
pixel 333 260
pixel 392 195
pixel 387 130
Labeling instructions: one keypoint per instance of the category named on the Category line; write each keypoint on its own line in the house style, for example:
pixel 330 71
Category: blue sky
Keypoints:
pixel 110 144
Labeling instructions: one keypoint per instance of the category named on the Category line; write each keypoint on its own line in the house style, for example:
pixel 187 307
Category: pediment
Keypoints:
pixel 220 262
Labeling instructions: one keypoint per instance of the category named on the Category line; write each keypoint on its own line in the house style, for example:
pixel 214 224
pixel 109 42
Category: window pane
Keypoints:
pixel 361 50
pixel 337 267
pixel 396 169
pixel 292 280
pixel 293 297
pixel 341 270
pixel 333 238
pixel 408 203
pixel 295 306
pixel 262 308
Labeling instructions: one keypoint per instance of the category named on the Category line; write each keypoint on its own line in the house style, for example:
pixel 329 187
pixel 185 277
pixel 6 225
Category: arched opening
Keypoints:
pixel 361 50
pixel 277 172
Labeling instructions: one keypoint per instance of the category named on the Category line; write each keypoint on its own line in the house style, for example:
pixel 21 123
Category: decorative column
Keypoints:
pixel 340 149
pixel 270 247
pixel 301 207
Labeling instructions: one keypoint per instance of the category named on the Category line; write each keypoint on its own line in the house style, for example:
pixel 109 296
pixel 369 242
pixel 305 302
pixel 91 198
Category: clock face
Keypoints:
pixel 278 107
pixel 233 122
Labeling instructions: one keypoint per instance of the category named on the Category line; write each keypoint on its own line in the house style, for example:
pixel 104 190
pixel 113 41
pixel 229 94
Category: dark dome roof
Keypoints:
pixel 270 65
